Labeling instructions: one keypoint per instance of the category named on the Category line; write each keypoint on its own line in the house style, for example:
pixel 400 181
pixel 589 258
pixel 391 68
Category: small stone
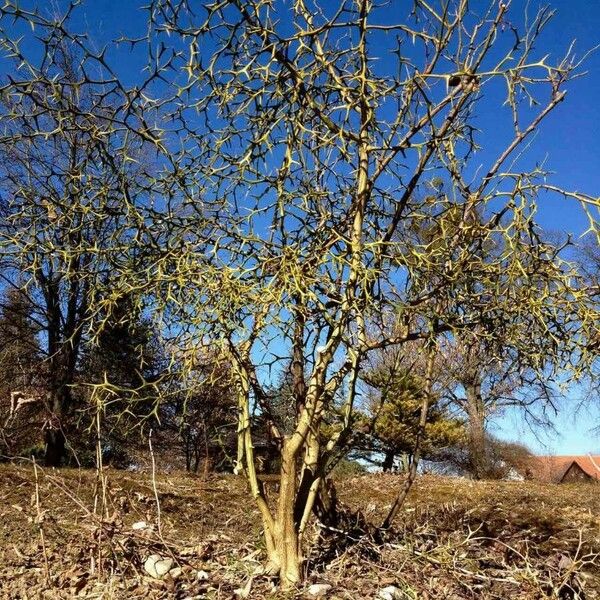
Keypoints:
pixel 176 572
pixel 157 567
pixel 318 590
pixel 565 563
pixel 391 592
pixel 202 576
pixel 139 525
pixel 245 591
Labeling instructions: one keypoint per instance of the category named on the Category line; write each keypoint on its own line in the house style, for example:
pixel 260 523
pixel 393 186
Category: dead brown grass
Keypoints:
pixel 454 539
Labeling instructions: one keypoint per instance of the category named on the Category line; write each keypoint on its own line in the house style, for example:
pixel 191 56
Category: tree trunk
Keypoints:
pixel 63 360
pixel 188 461
pixel 388 461
pixel 286 553
pixel 207 461
pixel 55 447
pixel 478 448
pixel 54 433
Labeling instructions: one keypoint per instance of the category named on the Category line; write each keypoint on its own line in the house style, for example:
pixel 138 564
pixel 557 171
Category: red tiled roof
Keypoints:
pixel 553 468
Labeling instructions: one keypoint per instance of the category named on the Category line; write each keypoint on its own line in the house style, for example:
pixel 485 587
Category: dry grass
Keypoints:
pixel 454 538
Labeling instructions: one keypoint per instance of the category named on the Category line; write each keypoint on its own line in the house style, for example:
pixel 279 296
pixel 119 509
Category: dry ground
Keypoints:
pixel 71 536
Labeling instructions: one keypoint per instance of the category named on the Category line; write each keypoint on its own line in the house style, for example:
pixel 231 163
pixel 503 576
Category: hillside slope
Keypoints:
pixel 78 535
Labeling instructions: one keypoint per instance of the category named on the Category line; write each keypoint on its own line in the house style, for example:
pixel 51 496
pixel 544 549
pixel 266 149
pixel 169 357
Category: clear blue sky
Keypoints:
pixel 569 141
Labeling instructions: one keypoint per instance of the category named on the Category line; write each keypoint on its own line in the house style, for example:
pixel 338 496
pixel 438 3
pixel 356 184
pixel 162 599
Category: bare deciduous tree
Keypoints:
pixel 62 202
pixel 482 382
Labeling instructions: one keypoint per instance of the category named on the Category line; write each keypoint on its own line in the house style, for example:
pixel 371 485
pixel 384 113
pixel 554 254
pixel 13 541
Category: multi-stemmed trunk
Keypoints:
pixel 301 487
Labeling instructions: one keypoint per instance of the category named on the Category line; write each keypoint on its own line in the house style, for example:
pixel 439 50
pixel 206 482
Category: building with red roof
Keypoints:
pixel 564 469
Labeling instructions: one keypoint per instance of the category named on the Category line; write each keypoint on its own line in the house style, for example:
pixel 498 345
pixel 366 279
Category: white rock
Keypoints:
pixel 245 591
pixel 565 563
pixel 391 592
pixel 202 575
pixel 318 590
pixel 176 572
pixel 156 566
pixel 139 525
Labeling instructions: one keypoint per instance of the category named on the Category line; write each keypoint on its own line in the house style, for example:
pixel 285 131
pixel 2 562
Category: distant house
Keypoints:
pixel 564 469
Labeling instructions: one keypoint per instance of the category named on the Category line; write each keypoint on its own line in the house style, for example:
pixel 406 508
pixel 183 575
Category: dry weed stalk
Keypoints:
pixel 40 523
pixel 155 488
pixel 100 503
